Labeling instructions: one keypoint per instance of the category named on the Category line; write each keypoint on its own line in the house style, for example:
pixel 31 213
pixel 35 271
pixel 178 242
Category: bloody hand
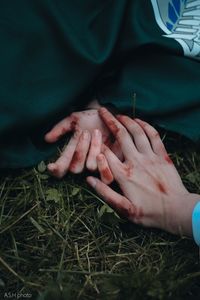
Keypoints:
pixel 89 132
pixel 153 193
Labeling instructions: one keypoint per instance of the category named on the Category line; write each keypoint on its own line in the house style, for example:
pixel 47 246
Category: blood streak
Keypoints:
pixel 113 127
pixel 168 159
pixel 77 159
pixel 107 175
pixel 111 124
pixel 161 187
pixel 129 170
pixel 73 123
pixel 59 133
pixel 64 129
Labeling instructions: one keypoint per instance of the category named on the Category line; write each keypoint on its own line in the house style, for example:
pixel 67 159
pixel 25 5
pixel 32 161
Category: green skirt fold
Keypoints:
pixel 56 56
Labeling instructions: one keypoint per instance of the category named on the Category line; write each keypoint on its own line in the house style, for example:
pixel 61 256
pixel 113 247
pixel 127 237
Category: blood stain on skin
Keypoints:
pixel 168 159
pixel 123 211
pixel 109 123
pixel 107 175
pixel 161 187
pixel 56 135
pixel 113 127
pixel 129 170
pixel 77 158
pixel 73 123
pixel 63 131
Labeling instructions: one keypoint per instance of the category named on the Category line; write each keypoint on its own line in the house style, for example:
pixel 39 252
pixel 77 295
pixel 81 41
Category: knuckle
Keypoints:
pixel 99 157
pixel 77 134
pixel 137 129
pixel 124 210
pixel 154 134
pixel 125 118
pixel 128 170
pixel 144 125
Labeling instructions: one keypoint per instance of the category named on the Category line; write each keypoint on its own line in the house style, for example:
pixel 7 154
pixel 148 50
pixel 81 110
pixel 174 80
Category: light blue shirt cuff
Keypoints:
pixel 196 223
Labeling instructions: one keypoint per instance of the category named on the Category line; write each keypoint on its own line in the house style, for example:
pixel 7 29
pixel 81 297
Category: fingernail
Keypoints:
pixel 92 181
pixel 52 167
pixel 137 120
pixel 97 132
pixel 47 137
pixel 77 133
pixel 86 134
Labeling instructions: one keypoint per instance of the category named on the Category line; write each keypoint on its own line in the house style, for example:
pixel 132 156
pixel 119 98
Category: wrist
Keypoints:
pixel 180 214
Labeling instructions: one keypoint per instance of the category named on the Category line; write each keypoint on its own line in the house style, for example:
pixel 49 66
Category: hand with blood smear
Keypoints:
pixel 153 193
pixel 84 146
pixel 88 128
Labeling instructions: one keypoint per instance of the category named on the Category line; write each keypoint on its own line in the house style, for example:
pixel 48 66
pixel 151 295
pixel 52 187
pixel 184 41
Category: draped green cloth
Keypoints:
pixel 55 56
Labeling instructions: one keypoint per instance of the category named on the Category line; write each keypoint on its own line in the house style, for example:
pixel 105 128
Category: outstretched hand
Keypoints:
pixel 153 193
pixel 89 132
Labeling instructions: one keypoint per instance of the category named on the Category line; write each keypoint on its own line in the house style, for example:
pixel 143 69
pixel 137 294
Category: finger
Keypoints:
pixel 154 137
pixel 119 132
pixel 80 154
pixel 61 166
pixel 104 170
pixel 116 149
pixel 140 138
pixel 116 166
pixel 95 149
pixel 66 125
pixel 118 202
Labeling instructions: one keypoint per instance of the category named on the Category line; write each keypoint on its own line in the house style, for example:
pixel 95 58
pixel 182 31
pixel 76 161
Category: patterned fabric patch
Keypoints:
pixel 180 20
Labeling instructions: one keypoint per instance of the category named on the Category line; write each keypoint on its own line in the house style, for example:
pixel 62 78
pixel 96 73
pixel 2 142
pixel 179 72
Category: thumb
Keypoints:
pixel 66 125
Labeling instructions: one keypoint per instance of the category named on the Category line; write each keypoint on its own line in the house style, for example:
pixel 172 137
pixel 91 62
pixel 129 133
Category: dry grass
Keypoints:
pixel 59 241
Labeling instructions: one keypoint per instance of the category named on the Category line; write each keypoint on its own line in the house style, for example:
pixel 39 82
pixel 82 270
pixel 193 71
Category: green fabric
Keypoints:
pixel 55 56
